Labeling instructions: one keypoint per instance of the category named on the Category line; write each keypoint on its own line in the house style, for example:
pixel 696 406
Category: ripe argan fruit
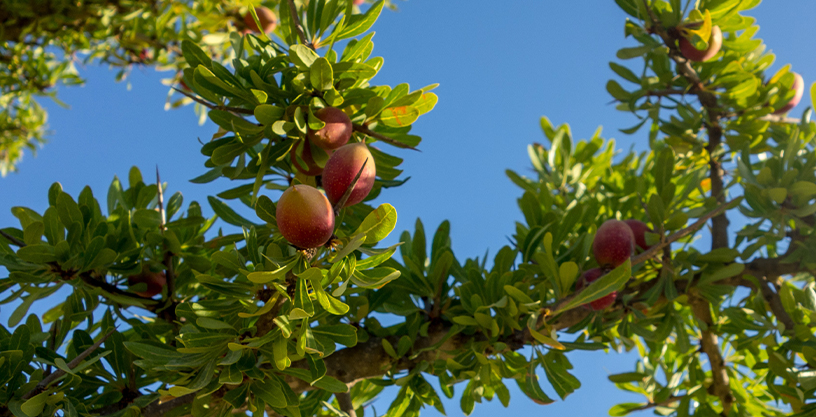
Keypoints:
pixel 337 131
pixel 342 167
pixel 714 44
pixel 155 282
pixel 589 277
pixel 639 229
pixel 266 17
pixel 614 243
pixel 798 88
pixel 309 166
pixel 305 217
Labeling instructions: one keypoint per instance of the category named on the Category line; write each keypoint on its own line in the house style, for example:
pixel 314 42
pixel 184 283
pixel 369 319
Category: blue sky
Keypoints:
pixel 501 66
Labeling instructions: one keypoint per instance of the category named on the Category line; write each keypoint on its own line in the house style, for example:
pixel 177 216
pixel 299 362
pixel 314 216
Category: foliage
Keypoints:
pixel 249 324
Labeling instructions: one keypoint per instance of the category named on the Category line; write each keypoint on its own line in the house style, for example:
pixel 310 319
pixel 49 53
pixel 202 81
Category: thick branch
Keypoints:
pixel 719 224
pixel 344 400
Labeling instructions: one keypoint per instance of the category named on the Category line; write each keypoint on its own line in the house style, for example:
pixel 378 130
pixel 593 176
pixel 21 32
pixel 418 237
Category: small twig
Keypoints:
pixel 42 385
pixel 344 400
pixel 211 106
pixel 161 201
pixel 159 408
pixel 775 118
pixel 342 201
pixel 664 93
pixel 14 241
pixel 296 23
pixel 658 404
pixel 649 253
pixel 364 130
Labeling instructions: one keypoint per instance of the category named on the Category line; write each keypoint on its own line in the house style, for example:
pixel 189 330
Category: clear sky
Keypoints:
pixel 501 66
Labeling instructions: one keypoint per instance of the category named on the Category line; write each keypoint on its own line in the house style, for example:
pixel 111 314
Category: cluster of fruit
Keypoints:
pixel 305 217
pixel 715 43
pixel 614 243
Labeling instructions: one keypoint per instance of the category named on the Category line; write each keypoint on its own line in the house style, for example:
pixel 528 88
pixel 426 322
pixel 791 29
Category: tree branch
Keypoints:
pixel 366 131
pixel 664 93
pixel 296 23
pixel 43 385
pixel 14 241
pixel 719 224
pixel 344 400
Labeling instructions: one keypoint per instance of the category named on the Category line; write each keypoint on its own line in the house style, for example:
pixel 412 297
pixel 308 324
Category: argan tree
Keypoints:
pixel 166 316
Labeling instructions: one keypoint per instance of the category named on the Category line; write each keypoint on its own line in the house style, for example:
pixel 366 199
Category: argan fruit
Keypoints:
pixel 335 133
pixel 266 17
pixel 155 282
pixel 589 277
pixel 342 167
pixel 302 152
pixel 714 44
pixel 305 217
pixel 798 88
pixel 614 243
pixel 639 229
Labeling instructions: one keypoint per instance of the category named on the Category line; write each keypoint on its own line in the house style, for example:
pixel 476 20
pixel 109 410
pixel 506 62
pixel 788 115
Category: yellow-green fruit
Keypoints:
pixel 342 167
pixel 305 217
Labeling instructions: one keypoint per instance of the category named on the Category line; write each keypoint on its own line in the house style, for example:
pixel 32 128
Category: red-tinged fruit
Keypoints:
pixel 639 229
pixel 302 159
pixel 305 217
pixel 714 44
pixel 155 282
pixel 266 17
pixel 798 88
pixel 602 303
pixel 335 133
pixel 358 2
pixel 342 167
pixel 614 243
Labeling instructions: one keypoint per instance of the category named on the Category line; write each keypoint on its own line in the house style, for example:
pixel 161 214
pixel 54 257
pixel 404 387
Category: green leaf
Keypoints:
pixel 267 114
pixel 194 55
pixel 378 224
pixel 634 52
pixel 263 277
pixel 321 74
pixel 38 254
pixel 605 285
pixel 778 194
pixel 34 405
pixel 228 215
pixel 233 123
pixel 375 278
pixel 399 116
pixel 615 90
pixel 265 209
pixel 271 392
pixel 68 210
pixel 624 73
pixel 625 408
pixel 341 333
pixel 302 302
pixel 663 168
pixel 359 24
pixel 302 56
pixel 209 323
pixel 803 189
